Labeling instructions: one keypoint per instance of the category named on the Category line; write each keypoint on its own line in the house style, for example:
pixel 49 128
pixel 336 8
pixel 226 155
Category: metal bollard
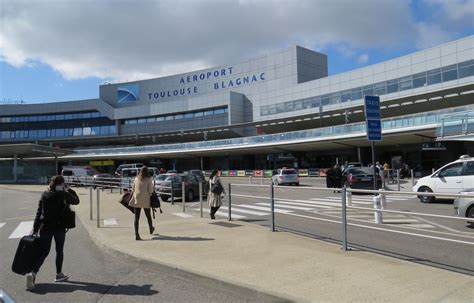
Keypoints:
pixel 412 178
pixel 90 196
pixel 230 203
pixel 200 196
pixel 432 170
pixel 383 180
pixel 398 179
pixel 250 179
pixel 98 208
pixel 261 180
pixel 344 218
pixel 383 200
pixel 272 205
pixel 183 197
pixel 172 193
pixel 349 198
pixel 377 206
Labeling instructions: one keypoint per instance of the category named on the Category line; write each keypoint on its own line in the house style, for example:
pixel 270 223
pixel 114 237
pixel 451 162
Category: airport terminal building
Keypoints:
pixel 280 109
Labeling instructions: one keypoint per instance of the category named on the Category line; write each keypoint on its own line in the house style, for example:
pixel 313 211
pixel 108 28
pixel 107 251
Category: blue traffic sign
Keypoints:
pixel 374 130
pixel 372 107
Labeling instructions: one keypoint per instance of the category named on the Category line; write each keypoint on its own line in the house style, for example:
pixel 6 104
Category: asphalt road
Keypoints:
pixel 95 276
pixel 432 241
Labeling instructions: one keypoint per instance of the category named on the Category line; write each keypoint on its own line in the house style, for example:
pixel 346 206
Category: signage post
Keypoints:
pixel 373 126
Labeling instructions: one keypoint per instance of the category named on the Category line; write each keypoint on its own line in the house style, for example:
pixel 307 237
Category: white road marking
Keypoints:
pixel 385 229
pixel 2 224
pixel 421 226
pixel 224 214
pixel 266 209
pixel 23 229
pixel 182 215
pixel 282 205
pixel 109 222
pixel 304 203
pixel 245 211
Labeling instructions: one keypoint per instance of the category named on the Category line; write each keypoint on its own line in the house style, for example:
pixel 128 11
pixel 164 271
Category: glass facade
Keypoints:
pixel 434 76
pixel 51 117
pixel 414 120
pixel 185 115
pixel 58 132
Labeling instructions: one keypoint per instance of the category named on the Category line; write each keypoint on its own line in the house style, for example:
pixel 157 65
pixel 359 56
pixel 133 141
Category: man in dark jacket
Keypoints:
pixel 49 224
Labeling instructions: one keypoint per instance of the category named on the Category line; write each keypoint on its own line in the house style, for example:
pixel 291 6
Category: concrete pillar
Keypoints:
pixel 359 156
pixel 56 165
pixel 15 165
pixel 202 164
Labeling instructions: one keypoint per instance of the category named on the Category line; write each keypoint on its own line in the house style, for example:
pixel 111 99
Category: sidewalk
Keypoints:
pixel 279 264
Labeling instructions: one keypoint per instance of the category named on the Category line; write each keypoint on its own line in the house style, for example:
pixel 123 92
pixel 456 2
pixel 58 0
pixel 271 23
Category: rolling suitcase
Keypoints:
pixel 26 253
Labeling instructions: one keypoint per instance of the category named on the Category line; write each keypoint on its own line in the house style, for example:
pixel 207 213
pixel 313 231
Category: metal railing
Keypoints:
pixel 379 208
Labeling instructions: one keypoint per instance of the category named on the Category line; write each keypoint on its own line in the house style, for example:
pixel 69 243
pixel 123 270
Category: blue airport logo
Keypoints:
pixel 128 93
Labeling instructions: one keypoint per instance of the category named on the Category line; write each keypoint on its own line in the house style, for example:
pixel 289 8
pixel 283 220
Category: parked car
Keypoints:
pixel 129 174
pixel 361 178
pixel 464 206
pixel 286 176
pixel 163 184
pixel 452 178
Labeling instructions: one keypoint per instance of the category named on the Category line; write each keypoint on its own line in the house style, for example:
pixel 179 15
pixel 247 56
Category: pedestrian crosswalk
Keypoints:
pixel 330 206
pixel 23 229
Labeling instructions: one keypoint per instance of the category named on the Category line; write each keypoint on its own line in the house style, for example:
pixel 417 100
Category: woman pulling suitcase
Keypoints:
pixel 49 224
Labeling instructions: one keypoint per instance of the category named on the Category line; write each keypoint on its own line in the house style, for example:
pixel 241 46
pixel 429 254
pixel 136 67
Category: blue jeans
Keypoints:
pixel 46 237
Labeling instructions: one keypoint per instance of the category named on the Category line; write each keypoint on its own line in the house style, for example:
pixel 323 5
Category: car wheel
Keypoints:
pixel 297 184
pixel 164 198
pixel 190 196
pixel 426 199
pixel 470 213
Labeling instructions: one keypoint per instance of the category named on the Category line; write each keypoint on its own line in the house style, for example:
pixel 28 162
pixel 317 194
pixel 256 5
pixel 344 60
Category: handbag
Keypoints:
pixel 216 188
pixel 155 200
pixel 68 218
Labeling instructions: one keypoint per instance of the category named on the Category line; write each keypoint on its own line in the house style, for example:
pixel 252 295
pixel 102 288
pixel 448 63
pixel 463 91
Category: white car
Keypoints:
pixel 449 179
pixel 286 176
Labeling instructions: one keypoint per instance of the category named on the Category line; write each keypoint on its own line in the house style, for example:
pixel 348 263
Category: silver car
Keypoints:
pixel 464 206
pixel 286 176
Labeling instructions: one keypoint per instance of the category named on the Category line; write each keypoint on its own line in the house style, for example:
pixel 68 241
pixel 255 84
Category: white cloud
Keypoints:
pixel 430 35
pixel 126 39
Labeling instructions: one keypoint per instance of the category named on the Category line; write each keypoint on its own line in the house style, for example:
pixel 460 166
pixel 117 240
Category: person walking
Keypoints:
pixel 214 198
pixel 142 188
pixel 48 224
pixel 337 183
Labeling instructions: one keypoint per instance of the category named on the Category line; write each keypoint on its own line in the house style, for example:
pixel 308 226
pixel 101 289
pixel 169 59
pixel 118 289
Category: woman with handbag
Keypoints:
pixel 50 223
pixel 214 197
pixel 141 191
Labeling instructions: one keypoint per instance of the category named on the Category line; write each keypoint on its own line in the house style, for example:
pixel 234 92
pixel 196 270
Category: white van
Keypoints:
pixel 129 174
pixel 78 175
pixel 118 171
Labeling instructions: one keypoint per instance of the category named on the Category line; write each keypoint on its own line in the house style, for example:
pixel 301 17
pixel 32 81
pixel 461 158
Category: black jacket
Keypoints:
pixel 51 207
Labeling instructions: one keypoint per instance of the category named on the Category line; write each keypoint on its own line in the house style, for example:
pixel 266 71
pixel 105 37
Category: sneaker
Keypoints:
pixel 30 281
pixel 61 277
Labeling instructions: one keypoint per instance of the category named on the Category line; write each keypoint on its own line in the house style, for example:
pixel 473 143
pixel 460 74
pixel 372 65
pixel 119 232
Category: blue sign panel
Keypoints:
pixel 372 107
pixel 374 130
pixel 128 93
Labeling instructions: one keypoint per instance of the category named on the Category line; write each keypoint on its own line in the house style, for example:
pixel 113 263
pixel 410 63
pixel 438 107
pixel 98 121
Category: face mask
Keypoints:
pixel 59 187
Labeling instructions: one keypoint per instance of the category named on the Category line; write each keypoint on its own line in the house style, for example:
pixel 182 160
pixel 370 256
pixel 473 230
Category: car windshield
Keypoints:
pixel 289 172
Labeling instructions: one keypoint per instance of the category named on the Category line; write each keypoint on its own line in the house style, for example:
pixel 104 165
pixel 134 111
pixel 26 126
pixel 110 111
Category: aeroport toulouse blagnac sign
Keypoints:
pixel 189 84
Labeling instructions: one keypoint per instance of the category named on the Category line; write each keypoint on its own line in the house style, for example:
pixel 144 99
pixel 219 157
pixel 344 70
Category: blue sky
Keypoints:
pixel 65 53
